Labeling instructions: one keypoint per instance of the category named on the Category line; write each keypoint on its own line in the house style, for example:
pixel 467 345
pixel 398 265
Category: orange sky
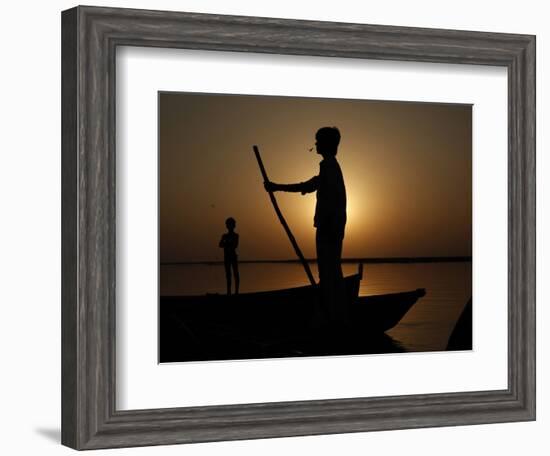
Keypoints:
pixel 407 169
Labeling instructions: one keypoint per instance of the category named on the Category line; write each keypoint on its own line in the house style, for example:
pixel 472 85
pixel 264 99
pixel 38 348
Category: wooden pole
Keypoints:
pixel 282 219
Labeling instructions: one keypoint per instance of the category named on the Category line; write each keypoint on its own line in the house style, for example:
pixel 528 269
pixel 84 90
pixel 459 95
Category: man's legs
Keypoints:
pixel 340 286
pixel 333 295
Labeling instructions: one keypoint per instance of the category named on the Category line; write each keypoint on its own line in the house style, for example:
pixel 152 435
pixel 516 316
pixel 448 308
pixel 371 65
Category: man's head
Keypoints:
pixel 327 140
pixel 230 223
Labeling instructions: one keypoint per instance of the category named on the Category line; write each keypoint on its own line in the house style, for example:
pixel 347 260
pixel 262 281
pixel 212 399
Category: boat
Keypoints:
pixel 461 336
pixel 380 313
pixel 273 323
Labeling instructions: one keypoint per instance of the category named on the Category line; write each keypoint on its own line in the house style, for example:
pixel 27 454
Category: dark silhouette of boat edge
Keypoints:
pixel 273 324
pixel 461 336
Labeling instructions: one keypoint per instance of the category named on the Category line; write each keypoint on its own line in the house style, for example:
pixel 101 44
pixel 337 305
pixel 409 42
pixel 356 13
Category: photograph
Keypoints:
pixel 297 227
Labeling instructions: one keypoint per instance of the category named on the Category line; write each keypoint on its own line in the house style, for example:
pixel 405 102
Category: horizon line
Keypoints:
pixel 444 259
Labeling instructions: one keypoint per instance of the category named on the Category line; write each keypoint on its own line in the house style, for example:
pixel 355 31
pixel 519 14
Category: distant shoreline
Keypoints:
pixel 451 259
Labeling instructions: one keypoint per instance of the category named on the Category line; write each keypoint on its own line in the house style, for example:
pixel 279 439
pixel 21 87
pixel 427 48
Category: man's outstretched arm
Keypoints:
pixel 308 186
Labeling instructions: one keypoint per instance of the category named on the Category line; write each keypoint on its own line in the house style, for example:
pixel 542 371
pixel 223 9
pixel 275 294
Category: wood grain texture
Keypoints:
pixel 89 39
pixel 69 301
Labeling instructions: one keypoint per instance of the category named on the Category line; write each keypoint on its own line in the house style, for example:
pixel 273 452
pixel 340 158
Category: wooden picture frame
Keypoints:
pixel 90 36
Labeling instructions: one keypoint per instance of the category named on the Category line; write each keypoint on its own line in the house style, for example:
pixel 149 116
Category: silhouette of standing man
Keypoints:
pixel 229 243
pixel 330 221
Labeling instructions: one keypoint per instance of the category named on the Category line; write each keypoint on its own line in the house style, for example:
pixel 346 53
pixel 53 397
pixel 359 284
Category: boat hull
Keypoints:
pixel 274 324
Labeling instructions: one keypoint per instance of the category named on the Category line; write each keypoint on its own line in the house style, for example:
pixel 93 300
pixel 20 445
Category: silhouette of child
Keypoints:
pixel 229 243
